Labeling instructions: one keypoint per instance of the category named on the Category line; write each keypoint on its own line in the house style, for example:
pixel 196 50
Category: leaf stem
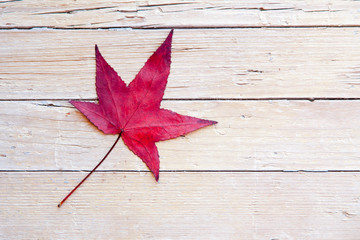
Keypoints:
pixel 112 147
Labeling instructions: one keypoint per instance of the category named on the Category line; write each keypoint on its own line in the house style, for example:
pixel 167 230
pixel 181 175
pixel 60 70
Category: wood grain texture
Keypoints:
pixel 250 135
pixel 181 206
pixel 211 63
pixel 253 176
pixel 155 14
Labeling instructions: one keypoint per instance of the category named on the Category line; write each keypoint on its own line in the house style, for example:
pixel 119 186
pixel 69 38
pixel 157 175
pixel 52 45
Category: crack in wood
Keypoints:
pixel 167 4
pixel 74 10
pixel 10 1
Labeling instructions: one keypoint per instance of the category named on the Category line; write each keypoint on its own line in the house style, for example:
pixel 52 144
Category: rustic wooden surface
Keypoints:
pixel 166 13
pixel 282 78
pixel 207 63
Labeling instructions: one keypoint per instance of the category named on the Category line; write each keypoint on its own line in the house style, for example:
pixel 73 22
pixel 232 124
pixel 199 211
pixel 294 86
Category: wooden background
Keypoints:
pixel 282 78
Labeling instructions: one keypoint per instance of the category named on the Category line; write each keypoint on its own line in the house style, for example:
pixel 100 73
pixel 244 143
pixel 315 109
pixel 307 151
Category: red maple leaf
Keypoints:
pixel 134 111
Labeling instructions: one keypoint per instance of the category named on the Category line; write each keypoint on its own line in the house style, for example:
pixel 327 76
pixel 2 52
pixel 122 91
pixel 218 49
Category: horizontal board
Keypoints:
pixel 220 63
pixel 250 135
pixel 181 206
pixel 165 13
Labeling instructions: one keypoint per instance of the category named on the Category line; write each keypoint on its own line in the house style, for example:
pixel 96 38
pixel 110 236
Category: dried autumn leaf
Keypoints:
pixel 134 111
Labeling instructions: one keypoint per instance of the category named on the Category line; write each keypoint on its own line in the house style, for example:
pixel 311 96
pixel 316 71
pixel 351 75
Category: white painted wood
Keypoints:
pixel 181 206
pixel 207 63
pixel 250 135
pixel 229 192
pixel 150 14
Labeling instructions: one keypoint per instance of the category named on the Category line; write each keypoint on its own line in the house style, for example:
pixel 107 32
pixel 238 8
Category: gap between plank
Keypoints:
pixel 186 171
pixel 202 99
pixel 180 27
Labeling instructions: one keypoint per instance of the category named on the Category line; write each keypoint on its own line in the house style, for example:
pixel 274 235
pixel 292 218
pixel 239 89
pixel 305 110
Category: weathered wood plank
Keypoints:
pixel 218 206
pixel 221 63
pixel 152 14
pixel 250 135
